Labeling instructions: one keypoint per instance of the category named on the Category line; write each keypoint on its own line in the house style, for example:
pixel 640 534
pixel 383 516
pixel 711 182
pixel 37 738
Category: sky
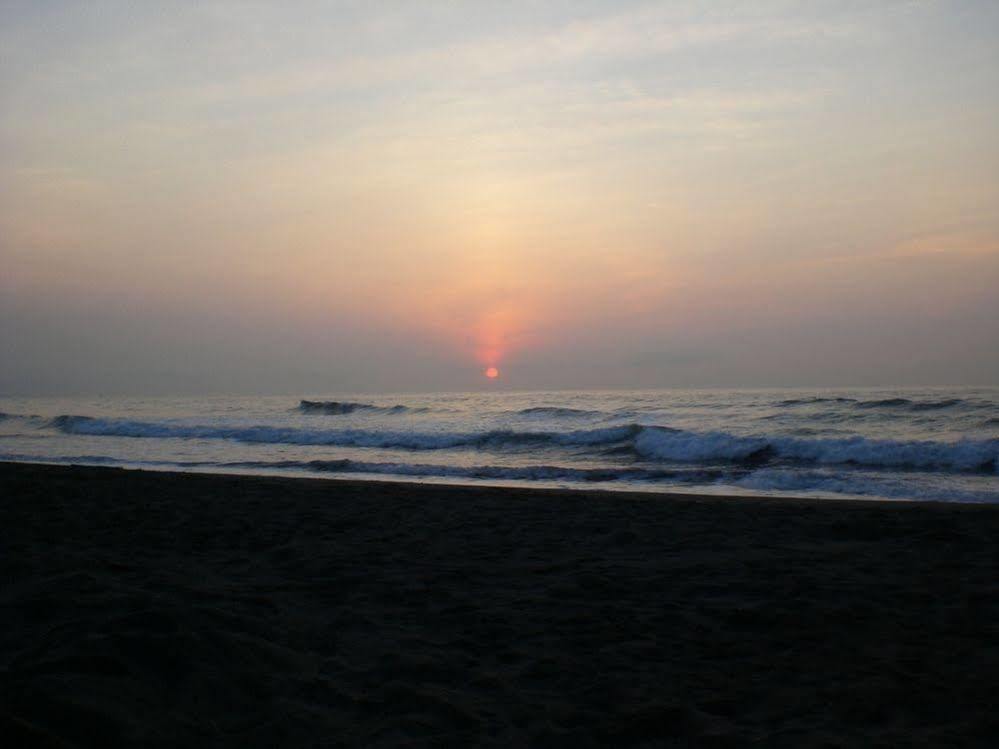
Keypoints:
pixel 262 197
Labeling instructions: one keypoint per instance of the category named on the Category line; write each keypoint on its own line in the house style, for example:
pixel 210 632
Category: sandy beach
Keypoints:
pixel 157 609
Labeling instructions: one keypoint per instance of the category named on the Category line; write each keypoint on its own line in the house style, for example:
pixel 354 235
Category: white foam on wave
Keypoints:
pixel 673 444
pixel 86 425
pixel 963 455
pixel 650 442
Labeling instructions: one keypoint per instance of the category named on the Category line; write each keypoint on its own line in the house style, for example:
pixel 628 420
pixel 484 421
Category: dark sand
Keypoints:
pixel 157 609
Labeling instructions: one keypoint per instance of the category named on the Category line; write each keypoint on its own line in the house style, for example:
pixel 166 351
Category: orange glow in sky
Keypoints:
pixel 499 330
pixel 415 199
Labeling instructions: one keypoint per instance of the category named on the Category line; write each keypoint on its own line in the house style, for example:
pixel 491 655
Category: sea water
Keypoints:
pixel 913 444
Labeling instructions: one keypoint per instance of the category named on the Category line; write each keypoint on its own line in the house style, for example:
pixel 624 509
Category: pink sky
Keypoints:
pixel 391 198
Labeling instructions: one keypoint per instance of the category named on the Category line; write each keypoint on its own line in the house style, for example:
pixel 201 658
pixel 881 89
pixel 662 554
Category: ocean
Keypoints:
pixel 906 444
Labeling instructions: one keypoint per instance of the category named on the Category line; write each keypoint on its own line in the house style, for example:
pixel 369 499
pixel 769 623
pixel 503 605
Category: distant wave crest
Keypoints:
pixel 902 404
pixel 809 401
pixel 911 405
pixel 895 403
pixel 339 408
pixel 556 411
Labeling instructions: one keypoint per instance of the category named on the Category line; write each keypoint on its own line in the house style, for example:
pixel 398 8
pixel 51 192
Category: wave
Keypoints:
pixel 340 408
pixel 802 482
pixel 87 425
pixel 648 442
pixel 885 403
pixel 809 401
pixel 911 405
pixel 556 411
pixel 509 473
pixel 964 455
pixel 100 460
pixel 905 404
pixel 519 473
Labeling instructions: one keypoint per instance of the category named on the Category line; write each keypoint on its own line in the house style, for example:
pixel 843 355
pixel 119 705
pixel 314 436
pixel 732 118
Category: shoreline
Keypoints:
pixel 152 608
pixel 588 489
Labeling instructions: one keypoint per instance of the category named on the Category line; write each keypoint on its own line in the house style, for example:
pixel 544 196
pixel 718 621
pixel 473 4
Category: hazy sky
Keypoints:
pixel 323 197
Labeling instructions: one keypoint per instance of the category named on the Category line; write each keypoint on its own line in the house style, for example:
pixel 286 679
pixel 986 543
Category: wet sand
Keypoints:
pixel 157 609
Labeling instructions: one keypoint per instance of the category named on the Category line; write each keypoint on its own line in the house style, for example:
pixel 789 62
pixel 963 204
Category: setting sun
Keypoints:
pixel 492 373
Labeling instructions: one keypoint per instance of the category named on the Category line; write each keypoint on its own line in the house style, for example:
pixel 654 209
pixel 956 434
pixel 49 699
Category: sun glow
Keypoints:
pixel 492 373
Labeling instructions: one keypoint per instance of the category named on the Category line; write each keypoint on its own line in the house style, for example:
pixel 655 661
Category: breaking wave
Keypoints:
pixel 964 455
pixel 649 442
pixel 340 437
